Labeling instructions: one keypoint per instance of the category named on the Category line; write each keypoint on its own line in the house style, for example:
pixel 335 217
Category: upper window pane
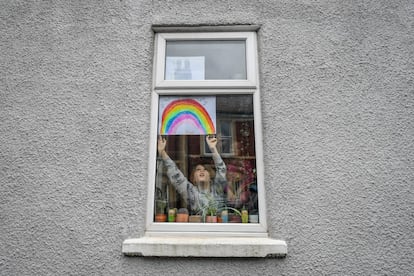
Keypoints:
pixel 205 60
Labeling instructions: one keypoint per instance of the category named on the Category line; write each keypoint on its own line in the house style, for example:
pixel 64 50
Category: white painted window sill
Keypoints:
pixel 204 246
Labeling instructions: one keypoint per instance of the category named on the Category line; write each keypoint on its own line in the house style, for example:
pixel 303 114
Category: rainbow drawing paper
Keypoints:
pixel 187 116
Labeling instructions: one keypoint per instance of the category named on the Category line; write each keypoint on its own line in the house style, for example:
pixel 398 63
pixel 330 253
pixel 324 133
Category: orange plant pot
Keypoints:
pixel 181 218
pixel 211 219
pixel 160 217
pixel 195 219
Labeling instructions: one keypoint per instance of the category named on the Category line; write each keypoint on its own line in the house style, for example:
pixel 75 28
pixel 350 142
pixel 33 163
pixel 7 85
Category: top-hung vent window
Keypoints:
pixel 206 60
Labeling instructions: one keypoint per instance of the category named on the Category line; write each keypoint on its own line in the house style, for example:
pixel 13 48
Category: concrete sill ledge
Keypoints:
pixel 204 247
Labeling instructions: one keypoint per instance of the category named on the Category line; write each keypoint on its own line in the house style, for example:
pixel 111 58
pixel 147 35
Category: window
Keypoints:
pixel 225 134
pixel 206 168
pixel 206 86
pixel 202 60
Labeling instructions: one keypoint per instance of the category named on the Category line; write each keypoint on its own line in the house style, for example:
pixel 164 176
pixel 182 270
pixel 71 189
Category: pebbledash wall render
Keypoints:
pixel 337 106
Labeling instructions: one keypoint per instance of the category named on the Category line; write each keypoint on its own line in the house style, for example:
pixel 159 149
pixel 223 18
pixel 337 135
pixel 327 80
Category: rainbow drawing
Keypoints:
pixel 185 116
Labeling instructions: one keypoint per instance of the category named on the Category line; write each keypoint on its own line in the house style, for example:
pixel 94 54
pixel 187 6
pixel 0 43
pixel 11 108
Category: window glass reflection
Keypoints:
pixel 201 176
pixel 205 60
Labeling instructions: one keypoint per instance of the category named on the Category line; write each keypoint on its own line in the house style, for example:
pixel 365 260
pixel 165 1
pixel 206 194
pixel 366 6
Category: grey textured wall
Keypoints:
pixel 338 111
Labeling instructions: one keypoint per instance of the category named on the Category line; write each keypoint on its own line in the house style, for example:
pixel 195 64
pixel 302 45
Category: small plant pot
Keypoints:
pixel 160 206
pixel 234 218
pixel 195 219
pixel 160 217
pixel 211 219
pixel 254 218
pixel 181 218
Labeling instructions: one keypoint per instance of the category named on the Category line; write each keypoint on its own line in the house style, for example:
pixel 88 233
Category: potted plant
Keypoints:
pixel 211 216
pixel 196 217
pixel 254 216
pixel 233 215
pixel 244 215
pixel 160 215
pixel 211 209
pixel 235 218
pixel 182 215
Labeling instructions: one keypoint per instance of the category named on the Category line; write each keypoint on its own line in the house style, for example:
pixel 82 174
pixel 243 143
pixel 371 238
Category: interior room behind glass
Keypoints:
pixel 236 145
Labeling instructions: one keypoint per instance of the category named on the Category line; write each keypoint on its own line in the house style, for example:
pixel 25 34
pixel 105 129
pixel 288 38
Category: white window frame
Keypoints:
pixel 251 60
pixel 203 239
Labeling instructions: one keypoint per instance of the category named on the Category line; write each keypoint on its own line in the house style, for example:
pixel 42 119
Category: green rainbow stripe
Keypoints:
pixel 183 111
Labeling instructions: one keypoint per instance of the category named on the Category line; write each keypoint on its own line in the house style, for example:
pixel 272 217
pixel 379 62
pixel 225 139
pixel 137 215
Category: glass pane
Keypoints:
pixel 206 60
pixel 192 184
pixel 225 128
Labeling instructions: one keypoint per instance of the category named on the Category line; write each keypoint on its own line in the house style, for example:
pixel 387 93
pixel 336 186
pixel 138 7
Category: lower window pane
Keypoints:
pixel 208 177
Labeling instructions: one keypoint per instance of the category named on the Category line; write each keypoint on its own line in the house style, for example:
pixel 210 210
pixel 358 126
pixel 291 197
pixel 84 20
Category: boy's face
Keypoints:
pixel 201 174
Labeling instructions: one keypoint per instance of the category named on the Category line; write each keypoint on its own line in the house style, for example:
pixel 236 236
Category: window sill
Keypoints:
pixel 204 246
